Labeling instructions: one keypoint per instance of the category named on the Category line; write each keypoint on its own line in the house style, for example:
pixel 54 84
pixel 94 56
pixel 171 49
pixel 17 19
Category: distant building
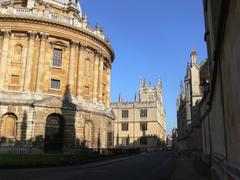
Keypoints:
pixel 142 123
pixel 174 138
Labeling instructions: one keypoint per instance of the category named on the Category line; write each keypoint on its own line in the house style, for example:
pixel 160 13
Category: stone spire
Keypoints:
pixel 140 84
pixel 193 57
pixel 120 97
pixel 145 83
pixel 135 97
pixel 159 84
pixel 182 90
pixel 150 84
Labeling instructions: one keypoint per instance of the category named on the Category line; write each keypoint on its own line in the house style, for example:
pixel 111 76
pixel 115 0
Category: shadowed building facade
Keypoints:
pixel 220 115
pixel 189 133
pixel 54 77
pixel 142 123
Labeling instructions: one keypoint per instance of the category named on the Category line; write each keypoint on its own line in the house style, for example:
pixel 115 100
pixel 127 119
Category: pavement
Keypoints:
pixel 146 166
pixel 190 169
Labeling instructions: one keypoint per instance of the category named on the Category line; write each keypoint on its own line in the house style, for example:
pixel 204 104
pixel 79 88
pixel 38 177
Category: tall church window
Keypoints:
pixel 8 126
pixel 18 53
pixel 57 57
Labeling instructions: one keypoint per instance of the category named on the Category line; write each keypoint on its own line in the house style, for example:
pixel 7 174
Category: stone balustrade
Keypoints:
pixel 60 18
pixel 74 21
pixel 22 11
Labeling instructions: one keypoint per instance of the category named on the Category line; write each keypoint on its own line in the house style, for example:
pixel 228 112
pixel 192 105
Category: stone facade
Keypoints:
pixel 188 113
pixel 220 108
pixel 142 123
pixel 55 77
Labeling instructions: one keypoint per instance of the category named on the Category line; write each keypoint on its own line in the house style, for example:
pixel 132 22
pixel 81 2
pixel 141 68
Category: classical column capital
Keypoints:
pixel 98 53
pixel 74 43
pixel 43 36
pixel 6 33
pixel 32 34
pixel 82 45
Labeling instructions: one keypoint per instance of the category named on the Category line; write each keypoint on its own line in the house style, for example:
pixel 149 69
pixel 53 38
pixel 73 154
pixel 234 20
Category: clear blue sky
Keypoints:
pixel 150 39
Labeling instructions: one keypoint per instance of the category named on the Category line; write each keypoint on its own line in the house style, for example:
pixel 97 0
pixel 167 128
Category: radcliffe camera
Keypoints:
pixel 119 90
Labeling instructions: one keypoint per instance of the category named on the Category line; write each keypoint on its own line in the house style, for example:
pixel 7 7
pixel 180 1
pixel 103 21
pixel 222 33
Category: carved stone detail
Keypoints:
pixel 74 43
pixel 43 36
pixel 32 34
pixel 6 33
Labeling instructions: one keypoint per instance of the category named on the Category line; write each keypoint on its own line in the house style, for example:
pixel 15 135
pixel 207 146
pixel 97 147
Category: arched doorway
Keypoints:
pixel 8 128
pixel 88 137
pixel 54 133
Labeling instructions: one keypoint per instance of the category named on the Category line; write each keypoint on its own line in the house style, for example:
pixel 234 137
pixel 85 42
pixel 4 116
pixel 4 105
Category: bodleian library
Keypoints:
pixel 141 123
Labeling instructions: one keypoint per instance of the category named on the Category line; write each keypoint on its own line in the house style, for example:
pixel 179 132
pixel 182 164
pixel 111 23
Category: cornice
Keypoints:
pixel 31 104
pixel 83 32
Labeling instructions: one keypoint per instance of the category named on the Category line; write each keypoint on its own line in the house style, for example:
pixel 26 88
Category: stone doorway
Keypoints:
pixel 54 133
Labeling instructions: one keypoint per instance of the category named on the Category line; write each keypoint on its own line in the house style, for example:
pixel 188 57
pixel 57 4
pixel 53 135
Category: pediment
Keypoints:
pixel 55 102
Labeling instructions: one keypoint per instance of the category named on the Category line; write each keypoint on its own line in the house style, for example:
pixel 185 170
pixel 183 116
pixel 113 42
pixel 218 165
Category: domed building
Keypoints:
pixel 54 77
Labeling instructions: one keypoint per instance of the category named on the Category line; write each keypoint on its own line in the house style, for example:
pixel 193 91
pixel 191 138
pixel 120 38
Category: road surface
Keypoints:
pixel 149 166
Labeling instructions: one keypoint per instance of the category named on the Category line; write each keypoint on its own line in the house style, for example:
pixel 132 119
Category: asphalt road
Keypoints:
pixel 149 166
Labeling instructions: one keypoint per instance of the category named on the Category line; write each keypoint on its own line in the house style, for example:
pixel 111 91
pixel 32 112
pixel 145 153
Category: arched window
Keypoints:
pixel 18 53
pixel 88 134
pixel 8 126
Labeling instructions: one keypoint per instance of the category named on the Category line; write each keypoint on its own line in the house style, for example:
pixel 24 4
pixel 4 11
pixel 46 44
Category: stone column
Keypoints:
pixel 100 79
pixel 28 67
pixel 108 87
pixel 71 65
pixel 95 77
pixel 3 62
pixel 80 71
pixel 41 59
